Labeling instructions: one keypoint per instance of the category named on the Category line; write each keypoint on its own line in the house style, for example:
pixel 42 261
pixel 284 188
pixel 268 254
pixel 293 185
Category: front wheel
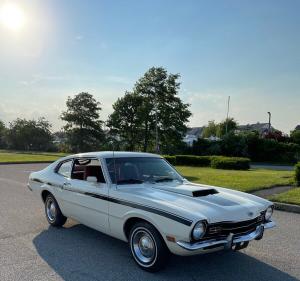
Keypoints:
pixel 53 213
pixel 147 247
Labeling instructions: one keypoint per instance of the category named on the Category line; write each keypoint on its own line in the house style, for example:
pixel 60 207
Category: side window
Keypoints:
pixel 65 169
pixel 84 168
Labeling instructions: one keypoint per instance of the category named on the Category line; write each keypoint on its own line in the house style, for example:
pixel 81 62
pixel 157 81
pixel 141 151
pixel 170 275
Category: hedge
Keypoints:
pixel 217 162
pixel 170 159
pixel 230 163
pixel 297 174
pixel 192 160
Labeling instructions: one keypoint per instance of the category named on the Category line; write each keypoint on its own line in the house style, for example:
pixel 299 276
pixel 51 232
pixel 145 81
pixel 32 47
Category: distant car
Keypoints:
pixel 140 198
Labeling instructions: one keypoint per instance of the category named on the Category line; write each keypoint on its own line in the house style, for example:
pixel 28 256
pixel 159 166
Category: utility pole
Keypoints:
pixel 269 121
pixel 156 125
pixel 228 103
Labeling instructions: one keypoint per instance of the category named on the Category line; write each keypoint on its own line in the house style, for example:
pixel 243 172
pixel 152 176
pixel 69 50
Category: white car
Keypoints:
pixel 140 198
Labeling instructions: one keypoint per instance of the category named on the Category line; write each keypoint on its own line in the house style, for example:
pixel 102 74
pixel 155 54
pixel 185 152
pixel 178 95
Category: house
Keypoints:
pixel 261 128
pixel 297 128
pixel 193 134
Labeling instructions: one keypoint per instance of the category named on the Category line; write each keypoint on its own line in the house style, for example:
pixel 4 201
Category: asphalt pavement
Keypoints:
pixel 31 250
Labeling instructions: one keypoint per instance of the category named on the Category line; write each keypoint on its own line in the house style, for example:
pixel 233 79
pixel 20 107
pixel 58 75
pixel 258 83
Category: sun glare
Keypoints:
pixel 12 16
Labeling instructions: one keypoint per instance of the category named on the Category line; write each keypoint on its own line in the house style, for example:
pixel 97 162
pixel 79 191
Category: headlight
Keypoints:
pixel 268 213
pixel 199 230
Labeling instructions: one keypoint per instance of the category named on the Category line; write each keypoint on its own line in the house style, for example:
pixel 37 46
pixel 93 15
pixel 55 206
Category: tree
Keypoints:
pixel 225 127
pixel 30 135
pixel 125 122
pixel 276 135
pixel 234 145
pixel 162 110
pixel 152 109
pixel 295 136
pixel 210 129
pixel 2 135
pixel 83 128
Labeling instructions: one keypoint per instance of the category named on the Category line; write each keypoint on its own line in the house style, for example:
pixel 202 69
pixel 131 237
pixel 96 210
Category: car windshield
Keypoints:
pixel 136 170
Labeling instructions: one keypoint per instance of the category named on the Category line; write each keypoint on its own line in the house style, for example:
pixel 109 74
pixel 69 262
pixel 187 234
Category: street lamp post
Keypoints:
pixel 269 121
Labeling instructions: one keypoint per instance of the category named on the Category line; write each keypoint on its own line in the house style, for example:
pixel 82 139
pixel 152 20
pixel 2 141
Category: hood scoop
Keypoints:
pixel 191 190
pixel 204 192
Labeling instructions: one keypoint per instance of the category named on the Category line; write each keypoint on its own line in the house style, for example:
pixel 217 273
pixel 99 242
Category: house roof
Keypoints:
pixel 260 127
pixel 195 131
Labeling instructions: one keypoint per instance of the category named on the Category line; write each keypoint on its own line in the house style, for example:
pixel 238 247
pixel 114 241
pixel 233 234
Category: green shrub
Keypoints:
pixel 192 160
pixel 170 159
pixel 230 163
pixel 297 174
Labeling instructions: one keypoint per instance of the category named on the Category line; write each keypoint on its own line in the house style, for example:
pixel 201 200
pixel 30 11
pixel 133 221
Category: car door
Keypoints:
pixel 85 194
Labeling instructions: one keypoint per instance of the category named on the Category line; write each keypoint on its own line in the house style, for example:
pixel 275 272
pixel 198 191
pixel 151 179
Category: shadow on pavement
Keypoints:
pixel 80 253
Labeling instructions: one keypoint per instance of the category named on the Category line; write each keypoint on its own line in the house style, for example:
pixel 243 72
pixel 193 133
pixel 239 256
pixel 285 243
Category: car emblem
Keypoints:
pixel 250 214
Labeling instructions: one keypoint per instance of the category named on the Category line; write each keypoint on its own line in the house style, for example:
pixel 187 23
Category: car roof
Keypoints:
pixel 110 154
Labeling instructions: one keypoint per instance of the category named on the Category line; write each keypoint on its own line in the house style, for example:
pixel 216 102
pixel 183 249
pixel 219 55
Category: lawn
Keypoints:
pixel 251 180
pixel 10 156
pixel 247 181
pixel 291 197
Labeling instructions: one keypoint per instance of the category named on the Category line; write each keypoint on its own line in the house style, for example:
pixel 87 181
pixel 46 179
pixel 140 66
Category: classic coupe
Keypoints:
pixel 141 199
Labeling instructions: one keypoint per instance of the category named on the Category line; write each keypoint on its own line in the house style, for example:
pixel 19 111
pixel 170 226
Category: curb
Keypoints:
pixel 287 207
pixel 26 162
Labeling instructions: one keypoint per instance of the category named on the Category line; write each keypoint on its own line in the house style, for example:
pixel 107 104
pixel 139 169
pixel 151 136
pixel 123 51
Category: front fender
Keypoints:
pixel 165 226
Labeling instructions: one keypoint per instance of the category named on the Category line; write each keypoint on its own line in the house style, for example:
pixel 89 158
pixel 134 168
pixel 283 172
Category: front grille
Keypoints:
pixel 221 229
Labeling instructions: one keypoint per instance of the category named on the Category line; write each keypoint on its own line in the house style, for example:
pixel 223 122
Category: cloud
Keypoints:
pixel 37 78
pixel 205 106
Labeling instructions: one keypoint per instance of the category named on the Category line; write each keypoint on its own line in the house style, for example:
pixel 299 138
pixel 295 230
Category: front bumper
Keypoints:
pixel 229 241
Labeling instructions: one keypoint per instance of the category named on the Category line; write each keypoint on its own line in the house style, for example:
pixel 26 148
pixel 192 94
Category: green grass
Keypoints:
pixel 251 180
pixel 291 197
pixel 254 179
pixel 17 156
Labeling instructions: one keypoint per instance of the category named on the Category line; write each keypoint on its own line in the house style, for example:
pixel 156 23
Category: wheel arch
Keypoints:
pixel 131 221
pixel 45 193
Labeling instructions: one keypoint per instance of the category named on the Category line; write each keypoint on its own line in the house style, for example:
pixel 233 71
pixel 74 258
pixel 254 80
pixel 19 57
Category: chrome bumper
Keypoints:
pixel 229 241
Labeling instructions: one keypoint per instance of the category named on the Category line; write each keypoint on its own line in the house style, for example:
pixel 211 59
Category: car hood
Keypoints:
pixel 197 201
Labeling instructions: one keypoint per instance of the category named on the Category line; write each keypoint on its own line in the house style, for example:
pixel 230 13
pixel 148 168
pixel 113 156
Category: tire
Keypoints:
pixel 147 247
pixel 53 213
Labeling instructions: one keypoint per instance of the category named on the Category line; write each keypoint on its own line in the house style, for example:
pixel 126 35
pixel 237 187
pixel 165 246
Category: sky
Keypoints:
pixel 248 50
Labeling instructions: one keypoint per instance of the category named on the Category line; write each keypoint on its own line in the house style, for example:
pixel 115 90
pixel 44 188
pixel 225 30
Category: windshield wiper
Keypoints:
pixel 130 181
pixel 164 179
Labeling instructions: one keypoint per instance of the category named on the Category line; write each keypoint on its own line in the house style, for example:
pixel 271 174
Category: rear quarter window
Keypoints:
pixel 65 169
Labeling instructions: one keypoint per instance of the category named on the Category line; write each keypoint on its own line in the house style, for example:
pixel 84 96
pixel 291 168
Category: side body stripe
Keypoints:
pixel 146 208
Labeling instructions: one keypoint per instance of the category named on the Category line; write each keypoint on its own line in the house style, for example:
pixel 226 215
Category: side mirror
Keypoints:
pixel 92 179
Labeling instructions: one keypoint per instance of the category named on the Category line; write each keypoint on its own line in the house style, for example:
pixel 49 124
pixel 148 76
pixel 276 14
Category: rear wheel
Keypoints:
pixel 53 213
pixel 147 247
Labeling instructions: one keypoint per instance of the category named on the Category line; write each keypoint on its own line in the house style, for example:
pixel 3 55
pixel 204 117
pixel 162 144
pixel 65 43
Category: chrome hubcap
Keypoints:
pixel 143 246
pixel 50 209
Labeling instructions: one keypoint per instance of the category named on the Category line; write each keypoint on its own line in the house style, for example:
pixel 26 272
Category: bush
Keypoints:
pixel 264 150
pixel 170 159
pixel 297 174
pixel 230 163
pixel 192 160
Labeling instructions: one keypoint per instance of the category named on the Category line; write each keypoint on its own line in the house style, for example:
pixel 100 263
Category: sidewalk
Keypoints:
pixel 265 193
